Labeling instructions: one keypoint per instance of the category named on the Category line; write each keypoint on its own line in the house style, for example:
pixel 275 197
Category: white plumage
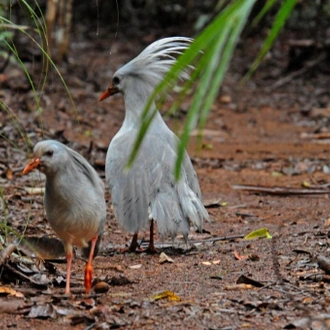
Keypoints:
pixel 149 190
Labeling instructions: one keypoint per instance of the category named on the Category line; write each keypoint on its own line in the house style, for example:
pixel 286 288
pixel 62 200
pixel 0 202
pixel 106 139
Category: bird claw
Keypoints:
pixel 138 249
pixel 150 250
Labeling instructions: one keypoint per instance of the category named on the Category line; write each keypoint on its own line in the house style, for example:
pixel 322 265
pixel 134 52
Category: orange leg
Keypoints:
pixel 89 267
pixel 68 271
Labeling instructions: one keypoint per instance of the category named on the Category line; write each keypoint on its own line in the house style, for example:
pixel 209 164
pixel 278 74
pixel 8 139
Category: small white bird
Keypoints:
pixel 74 201
pixel 149 191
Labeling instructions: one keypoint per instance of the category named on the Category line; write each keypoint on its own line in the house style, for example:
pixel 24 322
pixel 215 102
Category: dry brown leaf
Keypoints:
pixel 11 292
pixel 239 257
pixel 308 300
pixel 9 174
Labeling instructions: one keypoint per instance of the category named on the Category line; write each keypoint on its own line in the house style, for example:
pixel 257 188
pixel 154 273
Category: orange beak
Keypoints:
pixel 111 90
pixel 34 163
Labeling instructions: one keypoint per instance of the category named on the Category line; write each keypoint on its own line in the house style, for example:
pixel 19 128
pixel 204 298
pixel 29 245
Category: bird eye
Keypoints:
pixel 49 153
pixel 115 81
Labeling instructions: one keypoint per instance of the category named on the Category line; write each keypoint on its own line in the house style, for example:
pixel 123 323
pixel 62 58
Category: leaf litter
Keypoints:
pixel 264 143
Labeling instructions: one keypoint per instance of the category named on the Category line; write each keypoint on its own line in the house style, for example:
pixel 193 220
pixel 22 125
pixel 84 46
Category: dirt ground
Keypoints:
pixel 257 134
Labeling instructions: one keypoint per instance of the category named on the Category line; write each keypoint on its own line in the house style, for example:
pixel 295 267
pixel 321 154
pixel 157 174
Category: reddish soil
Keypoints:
pixel 253 137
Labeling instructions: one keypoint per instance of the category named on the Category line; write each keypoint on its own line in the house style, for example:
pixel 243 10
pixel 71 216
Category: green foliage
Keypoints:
pixel 281 17
pixel 212 51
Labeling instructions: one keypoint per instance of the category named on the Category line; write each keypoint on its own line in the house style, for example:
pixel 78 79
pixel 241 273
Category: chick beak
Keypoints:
pixel 34 163
pixel 111 90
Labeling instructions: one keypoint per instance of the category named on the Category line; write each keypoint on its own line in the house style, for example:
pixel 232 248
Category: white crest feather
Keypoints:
pixel 156 60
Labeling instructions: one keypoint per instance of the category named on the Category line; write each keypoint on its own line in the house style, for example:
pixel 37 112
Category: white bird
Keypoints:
pixel 74 201
pixel 149 191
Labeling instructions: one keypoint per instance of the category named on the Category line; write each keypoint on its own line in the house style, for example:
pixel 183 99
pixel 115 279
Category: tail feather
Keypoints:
pixel 169 216
pixel 192 206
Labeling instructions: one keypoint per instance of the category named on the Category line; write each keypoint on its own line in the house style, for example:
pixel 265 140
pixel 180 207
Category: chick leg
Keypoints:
pixel 89 267
pixel 68 270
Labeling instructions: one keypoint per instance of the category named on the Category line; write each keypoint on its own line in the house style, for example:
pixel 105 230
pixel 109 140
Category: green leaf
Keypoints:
pixel 260 233
pixel 281 17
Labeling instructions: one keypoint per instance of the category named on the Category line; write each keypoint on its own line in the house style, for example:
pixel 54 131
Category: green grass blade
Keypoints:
pixel 281 17
pixel 268 5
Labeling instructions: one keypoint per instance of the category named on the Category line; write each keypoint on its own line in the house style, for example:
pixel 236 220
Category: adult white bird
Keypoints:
pixel 74 201
pixel 149 191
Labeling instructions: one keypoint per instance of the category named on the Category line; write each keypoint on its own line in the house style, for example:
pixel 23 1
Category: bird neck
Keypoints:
pixel 134 107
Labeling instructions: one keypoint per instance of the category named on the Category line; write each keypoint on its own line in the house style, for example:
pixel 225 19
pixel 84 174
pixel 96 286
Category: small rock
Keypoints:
pixel 101 287
pixel 225 99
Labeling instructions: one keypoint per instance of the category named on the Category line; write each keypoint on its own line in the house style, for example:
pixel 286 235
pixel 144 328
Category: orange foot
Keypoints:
pixel 88 277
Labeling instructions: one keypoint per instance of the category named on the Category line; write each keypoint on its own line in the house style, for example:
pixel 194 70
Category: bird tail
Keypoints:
pixel 192 206
pixel 169 216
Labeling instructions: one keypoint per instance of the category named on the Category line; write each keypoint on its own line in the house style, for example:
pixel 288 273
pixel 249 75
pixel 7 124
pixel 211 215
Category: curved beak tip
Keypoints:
pixel 111 90
pixel 104 95
pixel 34 163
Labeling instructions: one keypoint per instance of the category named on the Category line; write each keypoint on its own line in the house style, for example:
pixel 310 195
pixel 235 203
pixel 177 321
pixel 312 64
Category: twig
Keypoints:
pixel 282 191
pixel 213 239
pixel 5 253
pixel 309 65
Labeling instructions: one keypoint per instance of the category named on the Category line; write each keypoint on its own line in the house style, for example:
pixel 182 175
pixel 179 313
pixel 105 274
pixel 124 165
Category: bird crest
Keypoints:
pixel 157 59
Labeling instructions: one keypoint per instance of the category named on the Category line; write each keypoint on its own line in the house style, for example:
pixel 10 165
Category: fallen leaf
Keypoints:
pixel 239 257
pixel 42 312
pixel 165 258
pixel 246 280
pixel 88 302
pixel 170 295
pixel 240 286
pixel 11 292
pixel 9 174
pixel 46 248
pixel 308 300
pixel 207 146
pixel 209 263
pixel 135 266
pixel 35 190
pixel 305 184
pixel 260 233
pixel 213 203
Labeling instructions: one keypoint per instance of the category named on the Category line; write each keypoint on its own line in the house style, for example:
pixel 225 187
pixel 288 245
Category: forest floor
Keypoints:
pixel 257 134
